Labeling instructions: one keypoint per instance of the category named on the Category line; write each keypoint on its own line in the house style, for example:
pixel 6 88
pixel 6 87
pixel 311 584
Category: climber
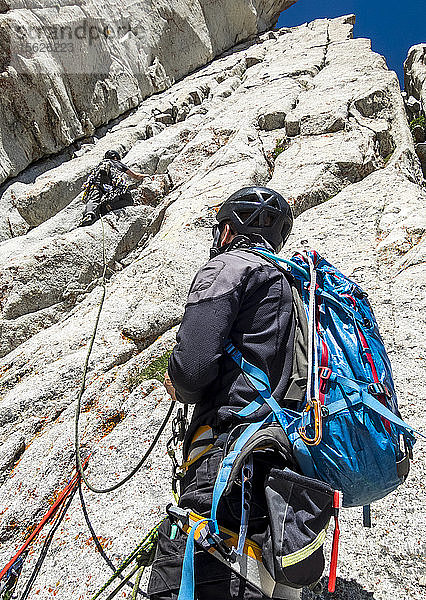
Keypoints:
pixel 106 187
pixel 238 295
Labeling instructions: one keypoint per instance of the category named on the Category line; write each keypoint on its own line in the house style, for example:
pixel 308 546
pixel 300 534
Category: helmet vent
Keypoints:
pixel 274 204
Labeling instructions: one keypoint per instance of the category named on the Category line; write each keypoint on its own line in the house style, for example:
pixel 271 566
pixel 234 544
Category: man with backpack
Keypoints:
pixel 106 187
pixel 237 295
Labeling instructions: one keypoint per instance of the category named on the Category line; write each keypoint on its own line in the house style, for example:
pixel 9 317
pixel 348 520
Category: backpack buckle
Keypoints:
pixel 324 373
pixel 378 389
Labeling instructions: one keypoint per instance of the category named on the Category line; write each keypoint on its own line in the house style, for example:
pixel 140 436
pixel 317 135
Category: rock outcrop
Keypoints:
pixel 308 110
pixel 415 86
pixel 69 67
pixel 415 73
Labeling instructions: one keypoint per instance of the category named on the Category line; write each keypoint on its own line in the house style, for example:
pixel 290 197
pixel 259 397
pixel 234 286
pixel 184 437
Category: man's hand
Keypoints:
pixel 138 176
pixel 169 386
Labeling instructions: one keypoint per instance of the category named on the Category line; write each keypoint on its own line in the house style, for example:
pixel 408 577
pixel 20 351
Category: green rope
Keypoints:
pixel 79 465
pixel 122 583
pixel 137 582
pixel 145 548
pixel 144 559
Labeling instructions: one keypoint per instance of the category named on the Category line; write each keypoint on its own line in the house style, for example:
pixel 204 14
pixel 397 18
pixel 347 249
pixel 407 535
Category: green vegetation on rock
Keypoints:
pixel 154 370
pixel 421 121
pixel 280 146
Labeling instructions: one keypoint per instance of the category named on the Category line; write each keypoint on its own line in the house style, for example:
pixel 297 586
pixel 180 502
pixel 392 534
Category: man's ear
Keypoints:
pixel 227 235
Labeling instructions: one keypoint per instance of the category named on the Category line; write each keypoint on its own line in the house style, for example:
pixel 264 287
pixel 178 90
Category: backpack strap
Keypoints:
pixel 258 379
pixel 387 414
pixel 187 584
pixel 246 479
pixel 278 259
pixel 226 467
pixel 365 398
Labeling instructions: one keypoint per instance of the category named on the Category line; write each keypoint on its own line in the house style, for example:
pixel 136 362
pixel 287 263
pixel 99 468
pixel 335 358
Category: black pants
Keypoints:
pixel 98 203
pixel 213 579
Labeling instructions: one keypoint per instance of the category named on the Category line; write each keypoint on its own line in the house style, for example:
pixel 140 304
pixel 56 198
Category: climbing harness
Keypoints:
pixel 118 180
pixel 249 564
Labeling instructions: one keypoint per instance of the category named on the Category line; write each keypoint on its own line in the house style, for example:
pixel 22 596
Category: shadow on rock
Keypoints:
pixel 345 590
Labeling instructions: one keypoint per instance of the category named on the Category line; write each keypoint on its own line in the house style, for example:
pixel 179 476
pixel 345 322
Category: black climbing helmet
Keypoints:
pixel 258 210
pixel 112 155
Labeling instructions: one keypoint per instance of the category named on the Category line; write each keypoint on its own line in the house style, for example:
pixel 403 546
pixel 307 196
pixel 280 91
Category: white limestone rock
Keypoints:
pixel 415 73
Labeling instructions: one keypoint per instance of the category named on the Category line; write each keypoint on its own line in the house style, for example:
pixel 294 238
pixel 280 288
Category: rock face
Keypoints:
pixel 415 73
pixel 309 111
pixel 68 67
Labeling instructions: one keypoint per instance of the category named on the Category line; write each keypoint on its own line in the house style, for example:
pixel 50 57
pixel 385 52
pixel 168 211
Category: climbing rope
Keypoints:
pixel 115 486
pixel 46 545
pixel 95 537
pixel 7 588
pixel 12 571
pixel 143 554
pixel 50 513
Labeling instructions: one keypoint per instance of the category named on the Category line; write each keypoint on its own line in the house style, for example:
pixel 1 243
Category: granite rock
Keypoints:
pixel 67 68
pixel 307 110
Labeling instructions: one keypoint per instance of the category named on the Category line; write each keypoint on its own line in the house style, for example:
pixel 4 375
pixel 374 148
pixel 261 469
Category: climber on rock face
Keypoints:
pixel 237 295
pixel 106 187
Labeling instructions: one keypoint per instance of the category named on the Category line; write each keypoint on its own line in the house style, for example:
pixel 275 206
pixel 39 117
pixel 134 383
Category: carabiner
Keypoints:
pixel 318 425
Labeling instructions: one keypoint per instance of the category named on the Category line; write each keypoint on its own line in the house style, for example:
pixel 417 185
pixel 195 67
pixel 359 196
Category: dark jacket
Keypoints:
pixel 241 296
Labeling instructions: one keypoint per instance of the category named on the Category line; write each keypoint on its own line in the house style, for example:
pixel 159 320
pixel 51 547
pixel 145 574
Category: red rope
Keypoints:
pixel 59 500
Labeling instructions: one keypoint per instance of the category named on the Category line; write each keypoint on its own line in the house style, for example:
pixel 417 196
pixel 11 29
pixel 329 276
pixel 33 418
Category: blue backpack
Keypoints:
pixel 350 433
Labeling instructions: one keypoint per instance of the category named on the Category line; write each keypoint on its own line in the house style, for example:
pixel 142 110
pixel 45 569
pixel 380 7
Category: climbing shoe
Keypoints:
pixel 87 220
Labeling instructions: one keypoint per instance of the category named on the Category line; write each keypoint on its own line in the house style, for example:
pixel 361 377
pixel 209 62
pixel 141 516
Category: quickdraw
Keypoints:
pixel 312 401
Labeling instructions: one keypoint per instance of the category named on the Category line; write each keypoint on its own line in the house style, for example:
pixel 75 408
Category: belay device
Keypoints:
pixel 349 441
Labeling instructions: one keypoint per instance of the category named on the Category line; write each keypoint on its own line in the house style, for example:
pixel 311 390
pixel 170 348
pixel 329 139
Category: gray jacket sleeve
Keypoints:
pixel 212 307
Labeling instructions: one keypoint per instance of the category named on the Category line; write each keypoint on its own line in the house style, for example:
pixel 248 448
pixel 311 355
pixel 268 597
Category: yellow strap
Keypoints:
pixel 251 549
pixel 188 463
pixel 200 431
pixel 299 555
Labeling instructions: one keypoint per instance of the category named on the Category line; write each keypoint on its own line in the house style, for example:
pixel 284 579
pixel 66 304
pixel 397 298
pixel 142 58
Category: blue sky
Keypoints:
pixel 392 25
